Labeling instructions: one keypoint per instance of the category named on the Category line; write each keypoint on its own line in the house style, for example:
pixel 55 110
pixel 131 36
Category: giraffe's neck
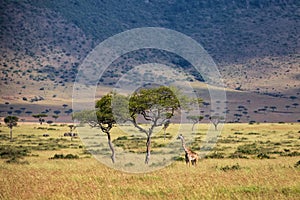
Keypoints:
pixel 183 145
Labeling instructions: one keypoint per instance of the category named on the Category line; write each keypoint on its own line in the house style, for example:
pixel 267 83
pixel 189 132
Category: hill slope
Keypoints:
pixel 42 43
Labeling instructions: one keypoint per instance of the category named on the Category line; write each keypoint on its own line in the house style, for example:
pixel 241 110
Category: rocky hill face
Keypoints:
pixel 255 43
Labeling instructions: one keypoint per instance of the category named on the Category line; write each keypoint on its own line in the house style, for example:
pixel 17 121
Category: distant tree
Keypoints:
pixel 206 104
pixel 72 128
pixel 22 120
pixel 273 108
pixel 57 112
pixel 68 112
pixel 49 122
pixel 195 119
pixel 55 117
pixel 237 117
pixel 11 121
pixel 295 105
pixel 287 107
pixel 28 112
pixel 18 112
pixel 215 120
pixel 40 117
pixel 293 97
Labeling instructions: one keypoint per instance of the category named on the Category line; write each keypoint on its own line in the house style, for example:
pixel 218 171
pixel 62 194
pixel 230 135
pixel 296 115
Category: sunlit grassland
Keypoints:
pixel 215 177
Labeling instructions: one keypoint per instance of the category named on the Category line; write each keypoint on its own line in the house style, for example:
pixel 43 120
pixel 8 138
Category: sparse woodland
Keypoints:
pixel 45 155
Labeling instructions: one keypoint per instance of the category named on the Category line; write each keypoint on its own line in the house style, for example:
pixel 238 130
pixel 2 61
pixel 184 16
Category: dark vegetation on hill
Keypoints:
pixel 42 43
pixel 231 31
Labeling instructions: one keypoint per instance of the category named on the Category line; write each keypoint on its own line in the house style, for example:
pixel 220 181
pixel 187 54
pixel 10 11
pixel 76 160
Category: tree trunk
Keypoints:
pixel 111 148
pixel 193 126
pixel 148 145
pixel 10 133
pixel 216 127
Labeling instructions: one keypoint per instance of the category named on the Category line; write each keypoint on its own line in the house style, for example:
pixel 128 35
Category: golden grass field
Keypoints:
pixel 272 176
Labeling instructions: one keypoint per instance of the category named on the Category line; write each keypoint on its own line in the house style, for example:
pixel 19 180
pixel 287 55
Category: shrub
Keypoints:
pixel 297 164
pixel 13 152
pixel 248 149
pixel 215 155
pixel 237 155
pixel 62 156
pixel 230 168
pixel 15 160
pixel 129 164
pixel 290 154
pixel 263 156
pixel 178 158
pixel 253 133
pixel 238 133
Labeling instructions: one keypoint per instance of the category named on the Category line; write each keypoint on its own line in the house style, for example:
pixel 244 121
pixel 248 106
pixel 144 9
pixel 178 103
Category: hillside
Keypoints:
pixel 255 44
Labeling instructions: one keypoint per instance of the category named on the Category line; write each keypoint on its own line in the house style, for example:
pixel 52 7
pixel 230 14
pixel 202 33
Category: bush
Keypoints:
pixel 178 158
pixel 7 152
pixel 290 154
pixel 237 155
pixel 215 155
pixel 263 156
pixel 248 149
pixel 297 164
pixel 62 156
pixel 15 160
pixel 230 168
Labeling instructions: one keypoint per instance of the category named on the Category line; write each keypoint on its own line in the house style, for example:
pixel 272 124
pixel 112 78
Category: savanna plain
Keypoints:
pixel 249 161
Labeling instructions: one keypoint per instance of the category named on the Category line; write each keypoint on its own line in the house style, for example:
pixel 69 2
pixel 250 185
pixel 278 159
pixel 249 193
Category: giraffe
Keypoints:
pixel 190 156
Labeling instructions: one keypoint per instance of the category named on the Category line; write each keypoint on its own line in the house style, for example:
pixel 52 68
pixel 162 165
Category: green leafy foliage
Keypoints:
pixel 154 104
pixel 11 121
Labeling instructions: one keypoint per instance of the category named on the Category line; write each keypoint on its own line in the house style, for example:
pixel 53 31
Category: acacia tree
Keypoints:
pixel 72 128
pixel 156 106
pixel 55 117
pixel 103 117
pixel 215 120
pixel 40 117
pixel 195 119
pixel 11 121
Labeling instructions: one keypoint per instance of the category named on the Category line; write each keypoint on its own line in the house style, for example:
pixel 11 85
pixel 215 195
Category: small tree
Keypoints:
pixel 273 108
pixel 55 117
pixel 103 116
pixel 215 120
pixel 11 121
pixel 72 128
pixel 56 112
pixel 195 119
pixel 40 117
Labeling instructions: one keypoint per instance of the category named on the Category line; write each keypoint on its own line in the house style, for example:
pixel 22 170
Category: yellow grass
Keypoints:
pixel 86 178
